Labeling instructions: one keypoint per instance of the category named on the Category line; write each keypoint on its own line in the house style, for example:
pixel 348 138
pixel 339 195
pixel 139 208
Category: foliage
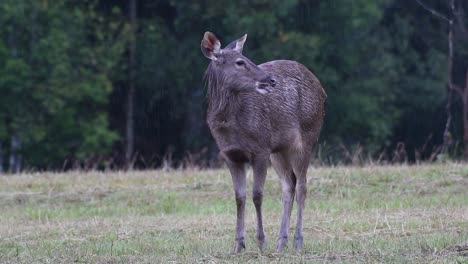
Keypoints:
pixel 55 63
pixel 64 72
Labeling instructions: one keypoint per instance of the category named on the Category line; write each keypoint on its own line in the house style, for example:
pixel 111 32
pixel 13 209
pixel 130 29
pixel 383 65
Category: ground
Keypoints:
pixel 353 214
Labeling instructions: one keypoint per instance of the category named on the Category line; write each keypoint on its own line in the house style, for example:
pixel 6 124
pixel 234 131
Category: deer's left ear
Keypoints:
pixel 237 45
pixel 210 45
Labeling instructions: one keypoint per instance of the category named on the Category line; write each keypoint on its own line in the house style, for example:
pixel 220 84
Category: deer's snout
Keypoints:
pixel 269 81
pixel 272 82
pixel 265 85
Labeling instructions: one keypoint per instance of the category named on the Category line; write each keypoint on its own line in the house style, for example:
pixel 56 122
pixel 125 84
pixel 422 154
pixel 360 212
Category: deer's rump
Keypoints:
pixel 296 104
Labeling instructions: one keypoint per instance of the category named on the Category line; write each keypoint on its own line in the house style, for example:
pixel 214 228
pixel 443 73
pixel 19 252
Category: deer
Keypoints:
pixel 262 114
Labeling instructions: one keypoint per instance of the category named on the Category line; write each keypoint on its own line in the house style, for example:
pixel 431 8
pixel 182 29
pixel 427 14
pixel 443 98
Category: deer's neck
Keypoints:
pixel 223 105
pixel 223 102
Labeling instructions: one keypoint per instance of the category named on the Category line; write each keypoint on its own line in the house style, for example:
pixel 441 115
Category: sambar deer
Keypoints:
pixel 261 113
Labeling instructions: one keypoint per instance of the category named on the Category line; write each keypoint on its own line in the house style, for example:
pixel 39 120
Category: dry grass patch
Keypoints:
pixel 362 214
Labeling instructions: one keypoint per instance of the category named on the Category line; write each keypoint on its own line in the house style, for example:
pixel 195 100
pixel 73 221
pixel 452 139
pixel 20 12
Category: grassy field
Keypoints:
pixel 398 214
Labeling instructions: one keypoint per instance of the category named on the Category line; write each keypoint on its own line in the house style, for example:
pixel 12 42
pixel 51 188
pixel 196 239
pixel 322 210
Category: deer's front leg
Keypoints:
pixel 239 183
pixel 259 167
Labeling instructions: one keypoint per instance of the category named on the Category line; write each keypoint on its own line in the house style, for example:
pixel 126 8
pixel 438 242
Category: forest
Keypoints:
pixel 118 84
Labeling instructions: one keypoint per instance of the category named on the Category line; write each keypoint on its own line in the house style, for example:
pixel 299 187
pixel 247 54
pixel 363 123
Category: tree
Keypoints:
pixel 55 88
pixel 457 33
pixel 130 138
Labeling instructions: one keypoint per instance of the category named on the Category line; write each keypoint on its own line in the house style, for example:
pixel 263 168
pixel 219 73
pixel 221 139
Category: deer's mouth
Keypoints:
pixel 263 88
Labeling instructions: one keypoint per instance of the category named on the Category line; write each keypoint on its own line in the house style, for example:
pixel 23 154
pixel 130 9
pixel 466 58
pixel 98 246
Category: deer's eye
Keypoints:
pixel 240 62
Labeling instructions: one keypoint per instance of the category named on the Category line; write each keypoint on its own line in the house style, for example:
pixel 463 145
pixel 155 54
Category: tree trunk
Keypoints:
pixel 465 117
pixel 15 157
pixel 1 158
pixel 130 137
pixel 446 136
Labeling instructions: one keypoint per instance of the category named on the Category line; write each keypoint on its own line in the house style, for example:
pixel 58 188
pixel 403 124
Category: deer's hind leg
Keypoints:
pixel 300 164
pixel 285 172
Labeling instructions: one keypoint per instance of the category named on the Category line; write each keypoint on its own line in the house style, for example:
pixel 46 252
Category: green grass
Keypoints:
pixel 394 214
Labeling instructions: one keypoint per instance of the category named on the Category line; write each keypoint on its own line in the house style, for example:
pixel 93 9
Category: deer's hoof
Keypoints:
pixel 239 247
pixel 262 244
pixel 282 241
pixel 298 243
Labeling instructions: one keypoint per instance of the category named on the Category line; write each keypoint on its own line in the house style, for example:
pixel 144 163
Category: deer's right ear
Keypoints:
pixel 210 45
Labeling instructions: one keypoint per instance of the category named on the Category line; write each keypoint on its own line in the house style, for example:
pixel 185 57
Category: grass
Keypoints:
pixel 395 214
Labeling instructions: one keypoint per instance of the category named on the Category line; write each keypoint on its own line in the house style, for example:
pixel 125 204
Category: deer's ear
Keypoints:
pixel 210 45
pixel 237 45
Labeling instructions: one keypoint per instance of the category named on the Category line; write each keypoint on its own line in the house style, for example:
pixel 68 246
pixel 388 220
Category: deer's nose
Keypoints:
pixel 272 82
pixel 269 81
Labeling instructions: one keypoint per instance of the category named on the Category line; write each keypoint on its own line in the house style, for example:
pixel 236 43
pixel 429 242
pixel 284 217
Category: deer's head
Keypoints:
pixel 236 71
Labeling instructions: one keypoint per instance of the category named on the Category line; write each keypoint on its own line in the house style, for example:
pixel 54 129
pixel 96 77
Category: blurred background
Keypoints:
pixel 118 84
